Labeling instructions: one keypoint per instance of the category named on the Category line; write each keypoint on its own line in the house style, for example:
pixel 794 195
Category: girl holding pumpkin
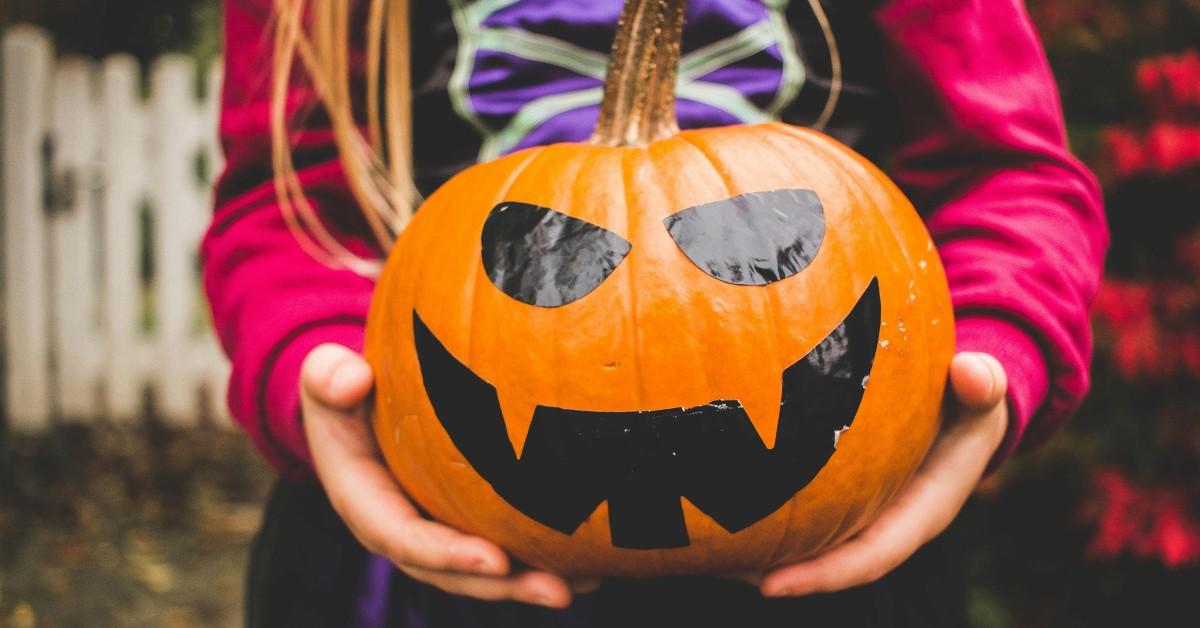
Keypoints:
pixel 367 104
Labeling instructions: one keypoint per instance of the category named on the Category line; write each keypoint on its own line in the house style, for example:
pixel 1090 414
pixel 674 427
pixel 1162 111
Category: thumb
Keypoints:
pixel 978 380
pixel 335 376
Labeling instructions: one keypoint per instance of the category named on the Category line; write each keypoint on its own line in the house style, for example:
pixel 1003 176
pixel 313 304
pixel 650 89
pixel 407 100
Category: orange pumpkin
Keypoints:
pixel 661 352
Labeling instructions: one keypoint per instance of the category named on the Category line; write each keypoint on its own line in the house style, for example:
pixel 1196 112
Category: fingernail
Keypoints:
pixel 474 560
pixel 486 565
pixel 344 375
pixel 987 366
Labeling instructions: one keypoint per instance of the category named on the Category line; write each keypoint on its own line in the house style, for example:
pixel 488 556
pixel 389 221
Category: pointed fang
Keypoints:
pixel 518 416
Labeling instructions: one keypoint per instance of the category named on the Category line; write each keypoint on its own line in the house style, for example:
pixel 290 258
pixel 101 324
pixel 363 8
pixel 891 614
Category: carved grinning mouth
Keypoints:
pixel 643 462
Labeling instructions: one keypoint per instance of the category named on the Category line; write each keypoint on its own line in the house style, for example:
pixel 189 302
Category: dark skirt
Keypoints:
pixel 306 570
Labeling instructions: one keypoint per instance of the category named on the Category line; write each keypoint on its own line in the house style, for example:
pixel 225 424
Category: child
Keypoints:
pixel 957 92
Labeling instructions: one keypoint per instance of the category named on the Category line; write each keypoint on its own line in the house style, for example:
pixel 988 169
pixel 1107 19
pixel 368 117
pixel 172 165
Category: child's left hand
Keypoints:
pixel 973 429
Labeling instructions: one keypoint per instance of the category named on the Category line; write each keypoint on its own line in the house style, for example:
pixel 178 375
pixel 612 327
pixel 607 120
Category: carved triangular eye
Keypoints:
pixel 753 239
pixel 545 258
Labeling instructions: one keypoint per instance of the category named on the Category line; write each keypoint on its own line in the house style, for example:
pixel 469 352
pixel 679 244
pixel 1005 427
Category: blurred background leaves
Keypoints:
pixel 1100 526
pixel 143 28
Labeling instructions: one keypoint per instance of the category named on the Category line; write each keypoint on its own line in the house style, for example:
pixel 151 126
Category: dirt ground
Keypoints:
pixel 127 527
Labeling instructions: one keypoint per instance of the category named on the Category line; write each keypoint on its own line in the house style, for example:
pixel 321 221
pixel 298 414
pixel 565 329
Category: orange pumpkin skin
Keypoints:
pixel 660 333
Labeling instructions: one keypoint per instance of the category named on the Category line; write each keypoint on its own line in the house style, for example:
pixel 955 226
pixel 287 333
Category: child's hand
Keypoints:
pixel 973 428
pixel 334 382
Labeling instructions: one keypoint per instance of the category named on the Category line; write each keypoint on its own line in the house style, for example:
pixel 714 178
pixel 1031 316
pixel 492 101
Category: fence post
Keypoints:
pixel 26 68
pixel 123 163
pixel 77 167
pixel 172 134
pixel 73 233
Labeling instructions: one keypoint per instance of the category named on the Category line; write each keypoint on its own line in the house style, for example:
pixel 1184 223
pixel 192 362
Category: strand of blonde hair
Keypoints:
pixel 383 190
pixel 835 64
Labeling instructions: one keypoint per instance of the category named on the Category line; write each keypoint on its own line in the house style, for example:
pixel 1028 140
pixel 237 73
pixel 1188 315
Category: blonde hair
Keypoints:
pixel 378 166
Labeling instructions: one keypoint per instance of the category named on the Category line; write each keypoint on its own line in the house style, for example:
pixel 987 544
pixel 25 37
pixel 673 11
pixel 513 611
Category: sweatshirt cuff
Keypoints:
pixel 279 407
pixel 1024 364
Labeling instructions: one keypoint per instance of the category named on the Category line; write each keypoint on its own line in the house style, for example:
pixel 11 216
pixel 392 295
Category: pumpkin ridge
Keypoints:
pixel 630 225
pixel 773 557
pixel 685 139
pixel 773 298
pixel 690 139
pixel 579 183
pixel 697 356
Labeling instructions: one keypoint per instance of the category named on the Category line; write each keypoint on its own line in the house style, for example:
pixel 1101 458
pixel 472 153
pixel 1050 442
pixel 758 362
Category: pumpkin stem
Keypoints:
pixel 639 90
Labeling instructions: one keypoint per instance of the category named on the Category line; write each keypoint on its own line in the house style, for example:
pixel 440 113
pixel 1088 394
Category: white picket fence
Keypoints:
pixel 94 180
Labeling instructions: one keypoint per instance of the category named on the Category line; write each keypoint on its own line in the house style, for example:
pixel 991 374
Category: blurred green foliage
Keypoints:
pixel 144 28
pixel 1095 45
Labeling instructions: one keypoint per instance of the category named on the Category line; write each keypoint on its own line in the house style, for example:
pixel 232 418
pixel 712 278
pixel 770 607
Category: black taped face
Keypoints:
pixel 753 239
pixel 541 257
pixel 643 462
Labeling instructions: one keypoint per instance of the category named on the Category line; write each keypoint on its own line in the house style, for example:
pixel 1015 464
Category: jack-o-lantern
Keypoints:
pixel 661 352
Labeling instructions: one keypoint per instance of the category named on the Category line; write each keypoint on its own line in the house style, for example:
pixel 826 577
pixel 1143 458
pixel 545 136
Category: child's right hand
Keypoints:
pixel 334 383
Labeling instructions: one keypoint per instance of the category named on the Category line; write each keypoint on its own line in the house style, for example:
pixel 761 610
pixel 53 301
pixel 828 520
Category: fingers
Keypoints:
pixel 335 376
pixel 531 587
pixel 927 504
pixel 923 510
pixel 366 496
pixel 977 380
pixel 364 493
pixel 334 383
pixel 866 558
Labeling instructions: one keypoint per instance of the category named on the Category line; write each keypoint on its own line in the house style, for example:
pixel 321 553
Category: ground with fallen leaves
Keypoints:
pixel 127 527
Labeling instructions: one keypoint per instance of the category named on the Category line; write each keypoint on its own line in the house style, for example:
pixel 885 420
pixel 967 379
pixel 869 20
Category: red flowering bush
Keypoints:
pixel 1150 327
pixel 1147 320
pixel 1147 522
pixel 1164 148
pixel 1170 85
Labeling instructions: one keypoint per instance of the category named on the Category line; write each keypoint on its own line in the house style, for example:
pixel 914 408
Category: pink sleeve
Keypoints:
pixel 1019 222
pixel 271 301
